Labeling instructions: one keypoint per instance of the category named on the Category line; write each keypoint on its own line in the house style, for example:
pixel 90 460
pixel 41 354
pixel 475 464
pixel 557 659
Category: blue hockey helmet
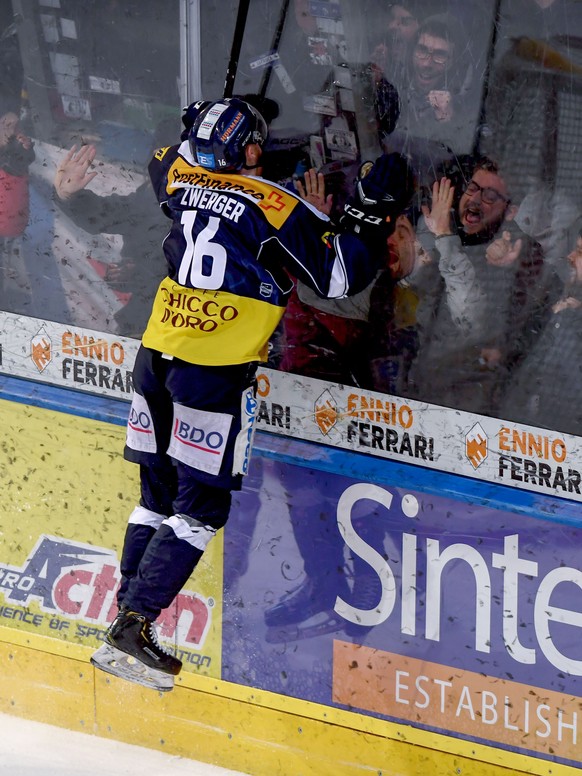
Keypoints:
pixel 221 132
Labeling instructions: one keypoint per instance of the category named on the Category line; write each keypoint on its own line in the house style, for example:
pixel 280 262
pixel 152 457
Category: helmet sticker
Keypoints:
pixel 206 160
pixel 231 127
pixel 210 120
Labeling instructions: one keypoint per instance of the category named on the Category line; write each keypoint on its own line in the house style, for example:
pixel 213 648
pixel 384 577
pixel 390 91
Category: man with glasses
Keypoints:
pixel 440 74
pixel 484 296
pixel 431 57
pixel 392 46
pixel 436 109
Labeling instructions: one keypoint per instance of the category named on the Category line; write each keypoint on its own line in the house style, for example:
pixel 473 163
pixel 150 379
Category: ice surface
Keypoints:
pixel 33 749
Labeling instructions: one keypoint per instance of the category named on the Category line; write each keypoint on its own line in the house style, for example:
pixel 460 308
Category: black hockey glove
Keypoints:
pixel 383 190
pixel 189 115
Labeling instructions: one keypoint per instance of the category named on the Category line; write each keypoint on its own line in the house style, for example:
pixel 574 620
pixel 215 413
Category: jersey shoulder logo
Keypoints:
pixel 274 200
pixel 161 152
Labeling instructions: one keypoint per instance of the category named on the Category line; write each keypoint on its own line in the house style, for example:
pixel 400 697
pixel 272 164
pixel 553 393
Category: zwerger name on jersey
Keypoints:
pixel 210 200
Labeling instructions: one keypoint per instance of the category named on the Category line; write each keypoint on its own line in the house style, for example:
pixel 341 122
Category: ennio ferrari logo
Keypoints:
pixel 40 349
pixel 326 412
pixel 476 448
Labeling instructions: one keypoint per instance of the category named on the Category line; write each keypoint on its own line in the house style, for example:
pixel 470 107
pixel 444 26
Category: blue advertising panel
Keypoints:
pixel 453 617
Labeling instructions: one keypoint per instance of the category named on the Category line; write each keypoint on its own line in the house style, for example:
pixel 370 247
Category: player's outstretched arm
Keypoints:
pixel 341 260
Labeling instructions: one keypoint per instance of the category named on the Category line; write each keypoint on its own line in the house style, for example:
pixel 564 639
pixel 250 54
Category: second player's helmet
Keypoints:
pixel 221 132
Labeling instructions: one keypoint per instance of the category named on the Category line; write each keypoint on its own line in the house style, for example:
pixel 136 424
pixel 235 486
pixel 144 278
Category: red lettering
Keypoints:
pixel 105 582
pixel 64 586
pixel 185 607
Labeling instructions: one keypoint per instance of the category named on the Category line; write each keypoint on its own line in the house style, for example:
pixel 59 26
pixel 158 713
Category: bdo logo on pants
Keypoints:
pixel 199 438
pixel 140 426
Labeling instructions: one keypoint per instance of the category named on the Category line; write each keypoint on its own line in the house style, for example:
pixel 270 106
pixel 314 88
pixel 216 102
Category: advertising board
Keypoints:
pixel 62 534
pixel 453 617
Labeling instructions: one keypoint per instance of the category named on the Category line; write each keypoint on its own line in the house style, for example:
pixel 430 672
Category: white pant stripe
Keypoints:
pixel 143 516
pixel 198 536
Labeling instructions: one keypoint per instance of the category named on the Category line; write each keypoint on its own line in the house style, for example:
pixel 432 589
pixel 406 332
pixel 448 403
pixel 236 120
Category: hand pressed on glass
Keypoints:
pixel 314 191
pixel 438 217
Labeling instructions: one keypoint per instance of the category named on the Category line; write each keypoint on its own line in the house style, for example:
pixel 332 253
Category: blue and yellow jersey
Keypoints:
pixel 234 244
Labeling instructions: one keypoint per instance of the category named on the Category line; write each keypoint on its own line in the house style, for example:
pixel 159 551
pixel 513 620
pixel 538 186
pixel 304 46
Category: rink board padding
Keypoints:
pixel 250 697
pixel 218 723
pixel 47 687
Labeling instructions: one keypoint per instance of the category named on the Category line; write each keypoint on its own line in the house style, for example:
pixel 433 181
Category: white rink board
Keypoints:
pixel 376 424
pixel 423 434
pixel 67 356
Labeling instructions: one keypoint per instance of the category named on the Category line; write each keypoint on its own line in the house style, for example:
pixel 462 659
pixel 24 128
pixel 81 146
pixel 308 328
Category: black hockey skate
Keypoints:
pixel 114 661
pixel 132 651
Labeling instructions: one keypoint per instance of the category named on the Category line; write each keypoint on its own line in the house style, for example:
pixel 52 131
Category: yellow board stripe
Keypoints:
pixel 243 709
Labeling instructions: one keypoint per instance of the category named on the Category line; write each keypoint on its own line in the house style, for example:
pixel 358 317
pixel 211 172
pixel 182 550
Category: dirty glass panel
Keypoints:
pixel 477 303
pixel 98 74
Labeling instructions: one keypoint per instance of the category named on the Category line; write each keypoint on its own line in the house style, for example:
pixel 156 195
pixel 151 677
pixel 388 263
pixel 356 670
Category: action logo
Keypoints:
pixel 73 584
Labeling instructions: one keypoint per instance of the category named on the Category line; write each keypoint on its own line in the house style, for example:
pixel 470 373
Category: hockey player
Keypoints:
pixel 234 243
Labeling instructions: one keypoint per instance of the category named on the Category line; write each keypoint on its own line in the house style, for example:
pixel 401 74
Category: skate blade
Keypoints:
pixel 114 661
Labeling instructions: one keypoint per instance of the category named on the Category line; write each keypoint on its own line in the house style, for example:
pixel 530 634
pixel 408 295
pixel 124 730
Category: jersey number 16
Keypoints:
pixel 192 266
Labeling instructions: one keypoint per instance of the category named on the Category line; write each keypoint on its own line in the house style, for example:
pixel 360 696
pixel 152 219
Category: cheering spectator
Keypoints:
pixel 139 269
pixel 483 299
pixel 433 99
